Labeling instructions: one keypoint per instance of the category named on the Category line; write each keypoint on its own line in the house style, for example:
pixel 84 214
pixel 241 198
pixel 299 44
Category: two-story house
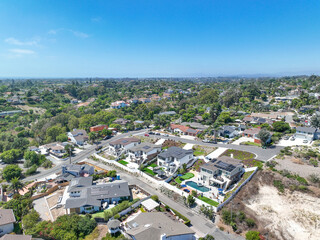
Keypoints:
pixel 123 144
pixel 221 172
pixel 143 151
pixel 78 136
pixel 173 158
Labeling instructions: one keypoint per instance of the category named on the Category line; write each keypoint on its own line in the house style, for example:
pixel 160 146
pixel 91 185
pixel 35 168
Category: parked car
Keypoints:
pixel 205 140
pixel 305 141
pixel 98 148
pixel 107 137
pixel 293 138
pixel 151 133
pixel 146 135
pixel 158 134
pixel 286 138
pixel 166 135
pixel 186 190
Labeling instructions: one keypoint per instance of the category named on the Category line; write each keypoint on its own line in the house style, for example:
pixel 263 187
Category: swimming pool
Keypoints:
pixel 195 185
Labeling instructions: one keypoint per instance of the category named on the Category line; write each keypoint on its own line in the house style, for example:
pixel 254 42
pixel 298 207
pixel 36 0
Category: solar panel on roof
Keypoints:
pixel 225 166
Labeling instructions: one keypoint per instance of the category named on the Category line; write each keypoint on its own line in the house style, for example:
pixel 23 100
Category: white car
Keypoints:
pixel 305 141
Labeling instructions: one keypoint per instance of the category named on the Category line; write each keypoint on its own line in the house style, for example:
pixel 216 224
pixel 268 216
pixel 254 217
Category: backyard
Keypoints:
pixel 202 150
pixel 209 201
pixel 186 176
pixel 123 162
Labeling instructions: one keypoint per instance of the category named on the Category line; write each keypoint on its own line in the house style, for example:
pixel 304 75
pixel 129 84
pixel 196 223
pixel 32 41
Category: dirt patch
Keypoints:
pixel 288 216
pixel 171 143
pixel 36 110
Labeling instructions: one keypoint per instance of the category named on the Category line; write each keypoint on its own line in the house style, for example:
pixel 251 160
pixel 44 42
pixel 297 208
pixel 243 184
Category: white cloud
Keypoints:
pixel 75 33
pixel 14 41
pixel 96 19
pixel 21 51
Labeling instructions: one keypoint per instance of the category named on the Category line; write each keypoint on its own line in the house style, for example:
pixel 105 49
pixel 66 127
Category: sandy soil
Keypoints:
pixel 291 216
pixel 36 110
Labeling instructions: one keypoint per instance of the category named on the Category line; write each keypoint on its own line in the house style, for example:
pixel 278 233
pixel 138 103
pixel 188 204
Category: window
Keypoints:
pixel 89 208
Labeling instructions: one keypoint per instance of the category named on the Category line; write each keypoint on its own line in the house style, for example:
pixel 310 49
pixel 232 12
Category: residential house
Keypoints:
pixel 74 101
pixel 168 113
pixel 173 158
pixel 198 118
pixel 123 144
pixel 121 121
pixel 98 128
pixel 86 197
pixel 78 136
pixel 10 113
pixel 7 220
pixel 166 96
pixel 15 100
pixel 143 151
pixel 229 131
pixel 257 120
pixel 308 108
pixel 78 170
pixel 157 226
pixel 308 133
pixel 185 130
pixel 56 149
pixel 195 125
pixel 221 172
pixel 155 97
pixel 16 237
pixel 119 104
pixel 144 100
pixel 253 133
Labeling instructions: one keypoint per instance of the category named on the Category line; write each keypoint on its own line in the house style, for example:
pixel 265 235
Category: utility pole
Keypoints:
pixel 70 150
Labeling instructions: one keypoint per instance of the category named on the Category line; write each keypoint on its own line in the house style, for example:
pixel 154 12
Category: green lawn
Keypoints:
pixel 147 170
pixel 209 201
pixel 252 144
pixel 153 165
pixel 123 162
pixel 187 176
pixel 199 153
pixel 98 215
pixel 241 155
pixel 178 180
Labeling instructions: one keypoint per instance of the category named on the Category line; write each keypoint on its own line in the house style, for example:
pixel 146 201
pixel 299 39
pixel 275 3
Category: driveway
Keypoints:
pixel 40 205
pixel 297 141
pixel 243 139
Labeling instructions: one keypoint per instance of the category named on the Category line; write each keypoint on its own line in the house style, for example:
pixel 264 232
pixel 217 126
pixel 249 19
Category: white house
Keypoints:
pixel 222 172
pixel 123 144
pixel 119 104
pixel 143 151
pixel 308 133
pixel 78 136
pixel 7 220
pixel 173 158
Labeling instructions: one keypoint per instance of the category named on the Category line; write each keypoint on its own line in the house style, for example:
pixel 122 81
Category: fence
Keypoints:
pixel 51 190
pixel 238 189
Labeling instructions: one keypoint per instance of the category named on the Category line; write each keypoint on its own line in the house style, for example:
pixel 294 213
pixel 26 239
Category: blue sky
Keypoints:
pixel 158 38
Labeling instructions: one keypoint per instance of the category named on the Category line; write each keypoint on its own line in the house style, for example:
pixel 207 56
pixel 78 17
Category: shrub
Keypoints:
pixel 279 185
pixel 32 170
pixel 155 198
pixel 250 222
pixel 302 180
pixel 117 216
pixel 252 235
pixel 314 178
pixel 241 216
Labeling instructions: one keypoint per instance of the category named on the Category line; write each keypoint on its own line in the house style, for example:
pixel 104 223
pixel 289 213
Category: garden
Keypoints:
pixel 181 177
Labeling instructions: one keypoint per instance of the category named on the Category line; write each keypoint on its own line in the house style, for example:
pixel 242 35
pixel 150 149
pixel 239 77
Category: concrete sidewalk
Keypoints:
pixel 217 152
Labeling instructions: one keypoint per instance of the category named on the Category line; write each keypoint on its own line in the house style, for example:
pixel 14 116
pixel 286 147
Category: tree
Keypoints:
pixel 190 200
pixel 11 156
pixel 315 121
pixel 93 136
pixel 32 157
pixel 11 171
pixel 215 111
pixel 16 185
pixel 281 126
pixel 252 235
pixel 208 237
pixel 62 137
pixel 53 132
pixel 264 136
pixel 30 220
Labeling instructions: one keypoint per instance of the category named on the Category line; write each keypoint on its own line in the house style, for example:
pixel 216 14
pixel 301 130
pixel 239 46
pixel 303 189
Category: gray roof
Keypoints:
pixel 6 216
pixel 145 147
pixel 80 182
pixel 16 237
pixel 115 223
pixel 92 195
pixel 153 224
pixel 168 113
pixel 124 141
pixel 306 129
pixel 175 152
pixel 224 163
pixel 195 125
pixel 77 167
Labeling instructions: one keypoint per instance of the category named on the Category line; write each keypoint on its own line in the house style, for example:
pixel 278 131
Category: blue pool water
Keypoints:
pixel 195 185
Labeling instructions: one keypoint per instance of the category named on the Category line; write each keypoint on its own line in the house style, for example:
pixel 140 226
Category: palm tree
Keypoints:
pixel 16 185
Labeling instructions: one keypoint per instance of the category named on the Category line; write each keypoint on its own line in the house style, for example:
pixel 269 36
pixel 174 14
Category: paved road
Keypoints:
pixel 200 224
pixel 80 156
pixel 261 154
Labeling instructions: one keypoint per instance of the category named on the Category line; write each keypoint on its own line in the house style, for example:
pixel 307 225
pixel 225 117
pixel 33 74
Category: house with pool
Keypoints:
pixel 221 172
